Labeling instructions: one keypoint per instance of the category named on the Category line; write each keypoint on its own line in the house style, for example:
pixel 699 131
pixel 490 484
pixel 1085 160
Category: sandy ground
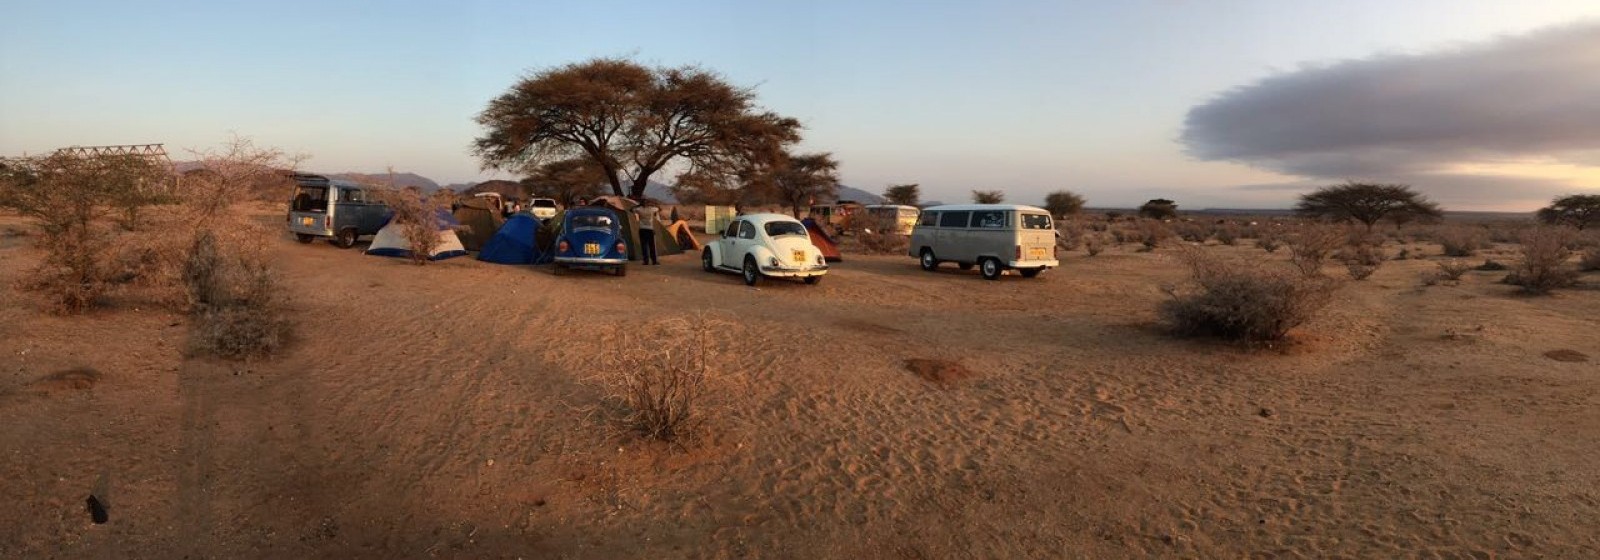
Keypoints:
pixel 443 411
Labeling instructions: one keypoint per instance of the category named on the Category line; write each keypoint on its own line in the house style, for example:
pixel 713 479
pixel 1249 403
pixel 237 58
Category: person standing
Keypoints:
pixel 646 213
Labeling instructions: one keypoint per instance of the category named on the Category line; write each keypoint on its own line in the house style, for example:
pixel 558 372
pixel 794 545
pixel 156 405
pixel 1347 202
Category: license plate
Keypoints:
pixel 306 221
pixel 1038 253
pixel 591 248
pixel 800 256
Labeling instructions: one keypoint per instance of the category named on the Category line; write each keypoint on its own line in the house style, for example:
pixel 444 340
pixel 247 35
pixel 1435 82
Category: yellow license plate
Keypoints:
pixel 799 256
pixel 1038 253
pixel 306 221
pixel 591 248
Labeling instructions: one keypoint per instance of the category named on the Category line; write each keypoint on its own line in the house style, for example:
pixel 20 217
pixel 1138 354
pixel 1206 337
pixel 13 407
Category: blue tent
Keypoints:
pixel 391 243
pixel 514 243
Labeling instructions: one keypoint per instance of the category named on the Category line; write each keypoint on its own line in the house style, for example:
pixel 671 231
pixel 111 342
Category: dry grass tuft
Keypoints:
pixel 1362 259
pixel 1545 251
pixel 1246 302
pixel 1462 241
pixel 943 373
pixel 655 375
pixel 1309 248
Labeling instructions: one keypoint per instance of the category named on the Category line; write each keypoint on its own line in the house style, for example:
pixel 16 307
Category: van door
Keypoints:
pixel 990 235
pixel 923 235
pixel 950 244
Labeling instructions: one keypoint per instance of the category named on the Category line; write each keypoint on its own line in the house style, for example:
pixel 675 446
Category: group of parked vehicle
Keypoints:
pixel 991 237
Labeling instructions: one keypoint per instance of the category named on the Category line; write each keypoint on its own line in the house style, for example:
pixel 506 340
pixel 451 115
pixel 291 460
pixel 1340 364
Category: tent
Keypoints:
pixel 390 242
pixel 666 244
pixel 680 232
pixel 480 220
pixel 824 243
pixel 514 243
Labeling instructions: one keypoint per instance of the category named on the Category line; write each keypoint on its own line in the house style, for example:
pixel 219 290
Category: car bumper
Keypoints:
pixel 317 231
pixel 792 272
pixel 543 215
pixel 1052 263
pixel 590 261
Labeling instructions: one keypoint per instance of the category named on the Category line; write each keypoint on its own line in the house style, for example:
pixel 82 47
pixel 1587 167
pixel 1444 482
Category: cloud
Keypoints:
pixel 1535 95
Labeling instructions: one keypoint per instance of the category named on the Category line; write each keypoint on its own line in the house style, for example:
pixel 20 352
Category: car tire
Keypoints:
pixel 751 272
pixel 705 261
pixel 304 238
pixel 928 261
pixel 991 269
pixel 622 270
pixel 346 238
pixel 813 280
pixel 1031 272
pixel 965 266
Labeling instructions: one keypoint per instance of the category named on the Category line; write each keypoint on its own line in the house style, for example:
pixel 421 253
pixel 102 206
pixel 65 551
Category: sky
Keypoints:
pixel 1480 105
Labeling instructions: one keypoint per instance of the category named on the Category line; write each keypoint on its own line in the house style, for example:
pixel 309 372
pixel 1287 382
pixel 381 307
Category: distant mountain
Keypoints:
pixel 400 180
pixel 507 189
pixel 851 193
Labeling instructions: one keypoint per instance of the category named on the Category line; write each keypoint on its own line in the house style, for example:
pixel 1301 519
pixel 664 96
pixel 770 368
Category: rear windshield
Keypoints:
pixel 1035 221
pixel 592 221
pixel 310 199
pixel 544 203
pixel 778 229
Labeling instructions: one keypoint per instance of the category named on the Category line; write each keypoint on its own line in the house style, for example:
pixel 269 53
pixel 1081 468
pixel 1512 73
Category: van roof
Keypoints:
pixel 311 180
pixel 890 206
pixel 1017 207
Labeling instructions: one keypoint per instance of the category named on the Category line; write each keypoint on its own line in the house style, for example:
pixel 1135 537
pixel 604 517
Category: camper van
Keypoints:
pixel 891 218
pixel 993 237
pixel 835 217
pixel 334 209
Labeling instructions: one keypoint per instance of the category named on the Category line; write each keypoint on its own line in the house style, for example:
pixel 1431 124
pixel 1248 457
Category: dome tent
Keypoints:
pixel 391 242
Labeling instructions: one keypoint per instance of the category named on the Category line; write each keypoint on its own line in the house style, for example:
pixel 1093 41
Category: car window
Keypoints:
pixel 929 219
pixel 310 199
pixel 544 203
pixel 778 229
pixel 1035 221
pixel 592 221
pixel 747 230
pixel 353 195
pixel 989 219
pixel 953 219
pixel 733 229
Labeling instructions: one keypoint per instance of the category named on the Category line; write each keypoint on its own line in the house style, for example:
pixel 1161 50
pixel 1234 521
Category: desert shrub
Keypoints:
pixel 1590 261
pixel 1452 270
pixel 1094 244
pixel 1191 232
pixel 235 300
pixel 878 242
pixel 1151 233
pixel 1269 242
pixel 417 217
pixel 1309 248
pixel 1405 253
pixel 1251 302
pixel 1491 265
pixel 1362 260
pixel 1461 241
pixel 655 375
pixel 1544 261
pixel 1432 278
pixel 1071 235
pixel 1227 234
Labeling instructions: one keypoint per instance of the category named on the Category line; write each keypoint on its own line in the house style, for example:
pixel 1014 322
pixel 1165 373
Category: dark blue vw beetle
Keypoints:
pixel 591 237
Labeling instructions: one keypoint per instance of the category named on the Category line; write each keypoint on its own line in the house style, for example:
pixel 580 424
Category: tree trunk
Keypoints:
pixel 636 191
pixel 796 208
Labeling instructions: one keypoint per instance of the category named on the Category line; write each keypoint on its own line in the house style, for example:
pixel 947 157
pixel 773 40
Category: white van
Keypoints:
pixel 993 237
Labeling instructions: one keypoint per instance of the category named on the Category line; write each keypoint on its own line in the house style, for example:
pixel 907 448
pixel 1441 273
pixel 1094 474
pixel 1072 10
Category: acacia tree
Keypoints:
pixel 798 180
pixel 565 180
pixel 630 120
pixel 1576 210
pixel 1366 203
pixel 908 194
pixel 988 197
pixel 1062 203
pixel 1159 209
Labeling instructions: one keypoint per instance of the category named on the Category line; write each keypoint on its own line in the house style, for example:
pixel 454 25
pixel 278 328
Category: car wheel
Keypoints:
pixel 752 275
pixel 813 279
pixel 1031 272
pixel 347 238
pixel 991 269
pixel 965 266
pixel 705 261
pixel 304 237
pixel 929 262
pixel 622 270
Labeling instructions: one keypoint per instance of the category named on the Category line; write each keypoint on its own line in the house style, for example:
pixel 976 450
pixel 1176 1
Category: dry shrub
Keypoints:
pixel 1269 242
pixel 1191 232
pixel 655 375
pixel 1251 302
pixel 1461 241
pixel 235 301
pixel 1309 248
pixel 1070 235
pixel 1151 233
pixel 1094 244
pixel 1545 251
pixel 1452 270
pixel 1227 234
pixel 1362 260
pixel 73 277
pixel 417 216
pixel 883 243
pixel 1590 261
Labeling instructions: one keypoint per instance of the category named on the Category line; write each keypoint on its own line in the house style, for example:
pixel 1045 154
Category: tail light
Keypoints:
pixel 562 247
pixel 1019 252
pixel 327 222
pixel 621 248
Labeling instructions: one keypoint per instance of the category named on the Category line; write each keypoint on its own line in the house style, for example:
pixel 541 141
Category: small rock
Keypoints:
pixel 489 463
pixel 1266 412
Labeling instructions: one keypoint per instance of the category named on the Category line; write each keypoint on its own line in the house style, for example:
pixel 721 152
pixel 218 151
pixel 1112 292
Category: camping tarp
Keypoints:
pixel 514 243
pixel 390 242
pixel 479 220
pixel 681 232
pixel 824 243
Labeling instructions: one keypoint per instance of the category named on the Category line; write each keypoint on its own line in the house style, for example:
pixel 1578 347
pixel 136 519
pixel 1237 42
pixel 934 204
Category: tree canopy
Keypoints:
pixel 1159 209
pixel 1576 210
pixel 988 197
pixel 565 180
pixel 1366 203
pixel 799 180
pixel 908 194
pixel 631 121
pixel 1062 203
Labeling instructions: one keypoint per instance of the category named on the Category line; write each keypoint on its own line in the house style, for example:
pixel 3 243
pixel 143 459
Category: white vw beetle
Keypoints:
pixel 758 245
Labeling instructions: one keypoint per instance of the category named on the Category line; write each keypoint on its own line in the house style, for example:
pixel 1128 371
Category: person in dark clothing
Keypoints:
pixel 646 213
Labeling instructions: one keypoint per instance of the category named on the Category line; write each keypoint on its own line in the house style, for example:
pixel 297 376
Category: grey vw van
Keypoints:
pixel 993 237
pixel 334 209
